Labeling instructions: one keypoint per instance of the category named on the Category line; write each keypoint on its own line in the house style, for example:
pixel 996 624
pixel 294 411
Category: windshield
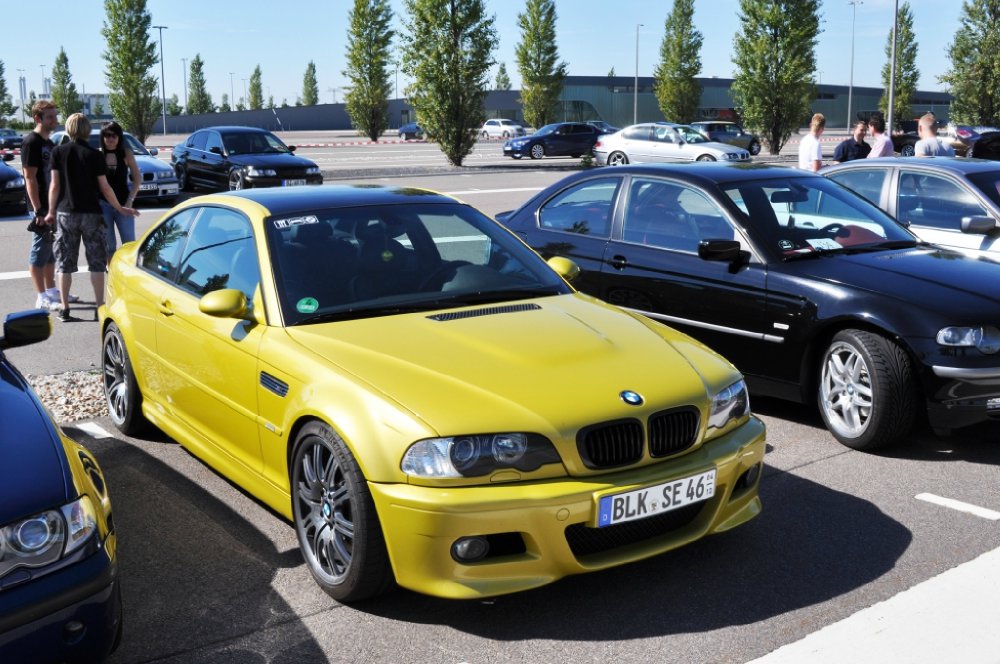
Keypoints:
pixel 798 216
pixel 131 141
pixel 253 143
pixel 988 183
pixel 690 134
pixel 547 129
pixel 372 261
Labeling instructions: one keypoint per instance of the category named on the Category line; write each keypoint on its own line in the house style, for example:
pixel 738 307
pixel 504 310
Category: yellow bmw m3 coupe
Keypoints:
pixel 419 393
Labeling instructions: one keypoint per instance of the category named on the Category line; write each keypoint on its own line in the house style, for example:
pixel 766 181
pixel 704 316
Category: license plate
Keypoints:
pixel 147 187
pixel 653 500
pixel 292 183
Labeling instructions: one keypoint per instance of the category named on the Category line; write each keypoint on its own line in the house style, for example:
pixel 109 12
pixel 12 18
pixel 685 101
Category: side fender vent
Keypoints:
pixel 269 382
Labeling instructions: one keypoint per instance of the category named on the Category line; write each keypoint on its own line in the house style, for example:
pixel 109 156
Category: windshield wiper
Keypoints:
pixel 368 312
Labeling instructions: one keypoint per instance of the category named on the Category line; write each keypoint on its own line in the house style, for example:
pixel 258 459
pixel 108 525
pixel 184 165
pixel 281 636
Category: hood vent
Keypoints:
pixel 488 311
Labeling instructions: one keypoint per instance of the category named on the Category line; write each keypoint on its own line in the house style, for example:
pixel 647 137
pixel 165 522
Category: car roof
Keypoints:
pixel 280 201
pixel 956 165
pixel 704 174
pixel 237 129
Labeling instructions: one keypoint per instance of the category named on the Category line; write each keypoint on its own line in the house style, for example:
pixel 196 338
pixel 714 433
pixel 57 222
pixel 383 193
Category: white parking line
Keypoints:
pixel 23 274
pixel 975 510
pixel 93 429
pixel 949 618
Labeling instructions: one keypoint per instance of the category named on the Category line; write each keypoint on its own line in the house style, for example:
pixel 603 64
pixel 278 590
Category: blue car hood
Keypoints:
pixel 929 278
pixel 34 475
pixel 286 160
pixel 149 164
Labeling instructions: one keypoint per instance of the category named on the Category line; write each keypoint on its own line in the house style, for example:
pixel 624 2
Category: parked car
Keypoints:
pixel 949 201
pixel 237 158
pixel 961 137
pixel 60 592
pixel 562 139
pixel 501 128
pixel 729 132
pixel 988 146
pixel 815 294
pixel 158 184
pixel 603 126
pixel 662 142
pixel 419 393
pixel 13 198
pixel 410 131
pixel 10 139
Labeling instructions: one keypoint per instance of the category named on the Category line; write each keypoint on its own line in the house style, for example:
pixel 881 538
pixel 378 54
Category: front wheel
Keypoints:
pixel 121 391
pixel 867 390
pixel 335 519
pixel 235 180
pixel 617 159
pixel 537 151
pixel 706 157
pixel 754 148
pixel 183 182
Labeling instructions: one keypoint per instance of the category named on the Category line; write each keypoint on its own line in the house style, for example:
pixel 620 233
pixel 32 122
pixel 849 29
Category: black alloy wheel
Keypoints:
pixel 121 391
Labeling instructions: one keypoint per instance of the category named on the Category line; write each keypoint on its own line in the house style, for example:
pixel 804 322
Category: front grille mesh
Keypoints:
pixel 584 541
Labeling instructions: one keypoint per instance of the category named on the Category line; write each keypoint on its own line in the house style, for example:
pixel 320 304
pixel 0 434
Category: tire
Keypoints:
pixel 907 150
pixel 506 135
pixel 183 182
pixel 236 180
pixel 516 155
pixel 485 136
pixel 335 519
pixel 754 148
pixel 121 391
pixel 706 157
pixel 617 159
pixel 537 151
pixel 867 391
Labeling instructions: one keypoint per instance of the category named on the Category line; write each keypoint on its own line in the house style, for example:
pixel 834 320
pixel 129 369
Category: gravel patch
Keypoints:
pixel 71 396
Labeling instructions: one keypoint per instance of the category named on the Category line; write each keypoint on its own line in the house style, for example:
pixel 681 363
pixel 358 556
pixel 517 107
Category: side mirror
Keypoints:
pixel 225 303
pixel 153 151
pixel 8 156
pixel 291 148
pixel 978 225
pixel 215 149
pixel 25 327
pixel 723 251
pixel 564 267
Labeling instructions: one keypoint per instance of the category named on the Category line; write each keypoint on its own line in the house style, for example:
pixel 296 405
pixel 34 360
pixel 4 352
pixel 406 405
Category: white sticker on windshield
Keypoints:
pixel 824 243
pixel 296 221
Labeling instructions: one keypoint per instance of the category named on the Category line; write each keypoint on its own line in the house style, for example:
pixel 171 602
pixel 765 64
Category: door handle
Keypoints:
pixel 165 307
pixel 618 262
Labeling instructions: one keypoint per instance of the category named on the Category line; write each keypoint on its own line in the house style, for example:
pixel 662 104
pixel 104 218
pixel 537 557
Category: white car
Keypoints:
pixel 501 128
pixel 662 142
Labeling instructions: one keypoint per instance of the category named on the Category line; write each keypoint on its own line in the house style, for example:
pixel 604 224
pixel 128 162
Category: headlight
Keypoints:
pixel 312 170
pixel 476 455
pixel 15 183
pixel 164 175
pixel 985 338
pixel 255 172
pixel 731 403
pixel 45 538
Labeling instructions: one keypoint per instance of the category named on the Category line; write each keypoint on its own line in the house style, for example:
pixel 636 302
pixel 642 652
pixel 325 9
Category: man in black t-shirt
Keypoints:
pixel 35 165
pixel 853 147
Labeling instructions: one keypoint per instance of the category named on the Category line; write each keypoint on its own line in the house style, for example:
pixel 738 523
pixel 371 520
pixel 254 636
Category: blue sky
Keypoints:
pixel 234 36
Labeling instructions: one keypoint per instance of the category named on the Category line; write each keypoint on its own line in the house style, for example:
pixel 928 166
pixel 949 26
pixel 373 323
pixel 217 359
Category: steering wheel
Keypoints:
pixel 438 272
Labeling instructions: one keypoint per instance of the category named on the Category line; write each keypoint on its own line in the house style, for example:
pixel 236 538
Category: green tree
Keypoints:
pixel 270 101
pixel 775 58
pixel 538 62
pixel 32 98
pixel 241 104
pixel 611 73
pixel 174 105
pixel 224 107
pixel 310 88
pixel 974 77
pixel 129 58
pixel 256 90
pixel 199 101
pixel 97 110
pixel 7 106
pixel 677 90
pixel 907 73
pixel 503 80
pixel 64 93
pixel 447 53
pixel 369 58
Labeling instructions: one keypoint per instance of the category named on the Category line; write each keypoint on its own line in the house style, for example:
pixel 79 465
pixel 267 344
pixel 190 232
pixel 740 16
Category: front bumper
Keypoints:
pixel 280 181
pixel 13 197
pixel 158 190
pixel 422 523
pixel 961 396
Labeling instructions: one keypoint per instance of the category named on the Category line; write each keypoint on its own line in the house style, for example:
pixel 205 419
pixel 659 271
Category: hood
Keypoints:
pixel 931 279
pixel 149 164
pixel 558 362
pixel 721 147
pixel 33 471
pixel 285 160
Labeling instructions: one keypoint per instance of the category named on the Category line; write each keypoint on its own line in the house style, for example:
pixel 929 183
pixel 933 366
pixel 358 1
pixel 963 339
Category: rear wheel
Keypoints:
pixel 121 392
pixel 867 390
pixel 485 135
pixel 335 518
pixel 907 150
pixel 537 151
pixel 617 159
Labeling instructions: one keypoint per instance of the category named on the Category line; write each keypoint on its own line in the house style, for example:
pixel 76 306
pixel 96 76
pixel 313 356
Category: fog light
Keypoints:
pixel 748 478
pixel 993 405
pixel 469 549
pixel 73 631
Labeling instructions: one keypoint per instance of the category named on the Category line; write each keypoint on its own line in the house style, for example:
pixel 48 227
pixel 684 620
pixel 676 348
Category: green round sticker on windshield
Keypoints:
pixel 307 305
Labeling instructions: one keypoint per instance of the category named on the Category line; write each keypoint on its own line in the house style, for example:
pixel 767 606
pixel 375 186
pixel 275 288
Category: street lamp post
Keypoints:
pixel 232 93
pixel 635 87
pixel 184 73
pixel 21 85
pixel 850 86
pixel 163 81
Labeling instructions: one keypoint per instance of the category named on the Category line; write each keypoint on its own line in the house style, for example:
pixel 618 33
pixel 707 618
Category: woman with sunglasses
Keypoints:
pixel 122 168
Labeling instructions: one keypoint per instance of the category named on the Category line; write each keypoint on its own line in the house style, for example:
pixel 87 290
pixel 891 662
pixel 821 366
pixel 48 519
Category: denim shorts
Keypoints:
pixel 76 226
pixel 42 252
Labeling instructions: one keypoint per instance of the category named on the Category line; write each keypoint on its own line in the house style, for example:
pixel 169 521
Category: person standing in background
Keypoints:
pixel 929 144
pixel 810 150
pixel 882 147
pixel 78 181
pixel 121 169
pixel 853 147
